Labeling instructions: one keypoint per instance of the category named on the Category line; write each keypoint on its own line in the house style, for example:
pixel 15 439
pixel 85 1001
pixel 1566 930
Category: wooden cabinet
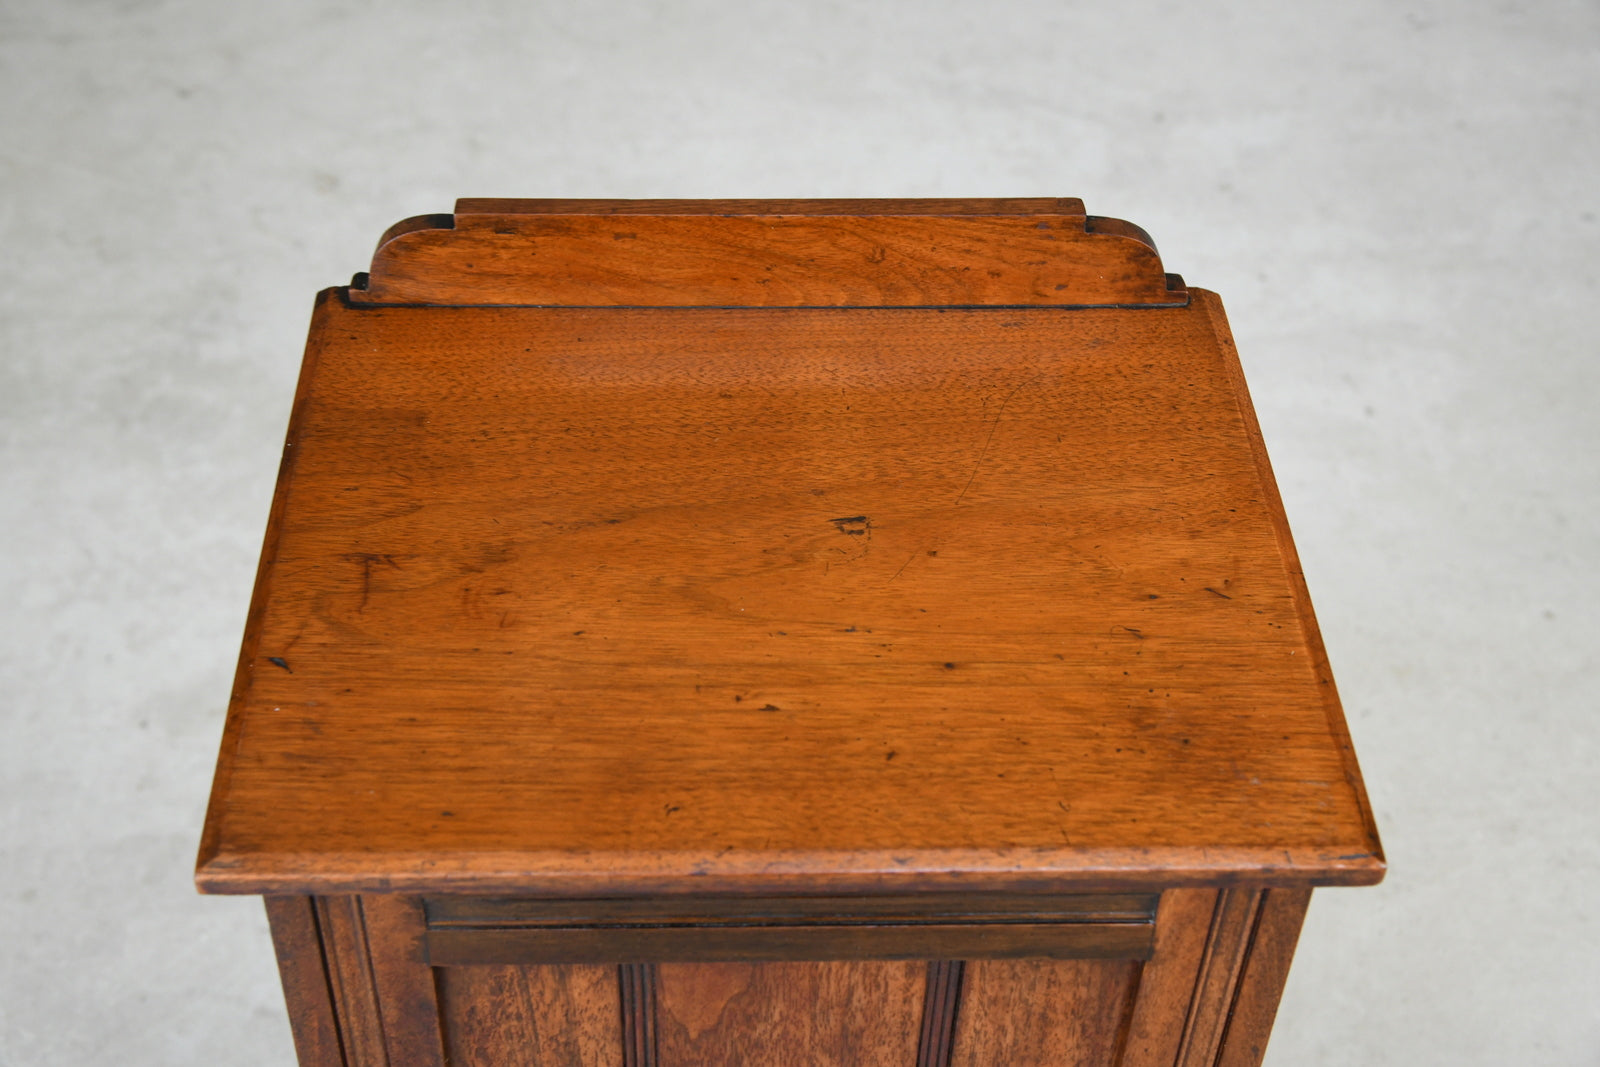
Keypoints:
pixel 1090 979
pixel 780 632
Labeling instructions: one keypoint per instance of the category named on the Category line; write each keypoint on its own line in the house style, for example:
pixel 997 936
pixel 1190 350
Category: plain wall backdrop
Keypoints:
pixel 1395 200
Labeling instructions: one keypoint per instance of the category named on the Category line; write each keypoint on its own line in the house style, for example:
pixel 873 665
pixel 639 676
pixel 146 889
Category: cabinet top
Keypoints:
pixel 606 565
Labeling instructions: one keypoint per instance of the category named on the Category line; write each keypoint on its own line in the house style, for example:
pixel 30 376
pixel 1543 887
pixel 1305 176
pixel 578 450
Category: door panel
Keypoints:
pixel 559 1015
pixel 847 1014
pixel 1043 1013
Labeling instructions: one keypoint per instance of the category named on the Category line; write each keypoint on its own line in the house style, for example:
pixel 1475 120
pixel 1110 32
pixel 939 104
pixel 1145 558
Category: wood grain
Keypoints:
pixel 789 1014
pixel 1266 968
pixel 568 598
pixel 446 912
pixel 855 942
pixel 464 930
pixel 303 969
pixel 560 1016
pixel 403 980
pixel 1167 982
pixel 1210 305
pixel 1227 946
pixel 760 599
pixel 638 985
pixel 940 1003
pixel 355 994
pixel 766 254
pixel 1043 1013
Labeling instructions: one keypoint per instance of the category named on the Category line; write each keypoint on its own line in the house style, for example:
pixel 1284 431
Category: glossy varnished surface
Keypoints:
pixel 844 598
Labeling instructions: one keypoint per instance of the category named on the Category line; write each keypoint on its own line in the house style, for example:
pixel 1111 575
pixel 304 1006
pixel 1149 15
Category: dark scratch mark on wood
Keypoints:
pixel 1219 593
pixel 279 661
pixel 367 559
pixel 995 425
pixel 853 525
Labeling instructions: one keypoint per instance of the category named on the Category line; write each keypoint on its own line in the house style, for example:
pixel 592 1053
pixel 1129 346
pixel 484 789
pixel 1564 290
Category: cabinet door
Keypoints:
pixel 788 1014
pixel 560 1015
pixel 383 981
pixel 1043 1013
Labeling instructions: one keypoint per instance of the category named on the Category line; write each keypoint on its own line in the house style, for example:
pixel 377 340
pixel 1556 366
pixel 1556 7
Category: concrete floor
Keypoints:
pixel 1395 200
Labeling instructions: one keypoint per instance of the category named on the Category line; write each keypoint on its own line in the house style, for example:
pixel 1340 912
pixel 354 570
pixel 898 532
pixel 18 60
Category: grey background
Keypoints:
pixel 1395 200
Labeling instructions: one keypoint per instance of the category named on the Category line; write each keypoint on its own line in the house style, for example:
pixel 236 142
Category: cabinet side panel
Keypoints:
pixel 547 1016
pixel 790 1014
pixel 1221 963
pixel 305 981
pixel 1043 1013
pixel 1166 985
pixel 355 995
pixel 400 973
pixel 1266 968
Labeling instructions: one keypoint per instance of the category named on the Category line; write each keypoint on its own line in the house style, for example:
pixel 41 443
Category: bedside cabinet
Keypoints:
pixel 807 632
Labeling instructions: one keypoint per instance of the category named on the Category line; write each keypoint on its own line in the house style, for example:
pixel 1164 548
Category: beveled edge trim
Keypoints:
pixel 1210 305
pixel 212 852
pixel 612 874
